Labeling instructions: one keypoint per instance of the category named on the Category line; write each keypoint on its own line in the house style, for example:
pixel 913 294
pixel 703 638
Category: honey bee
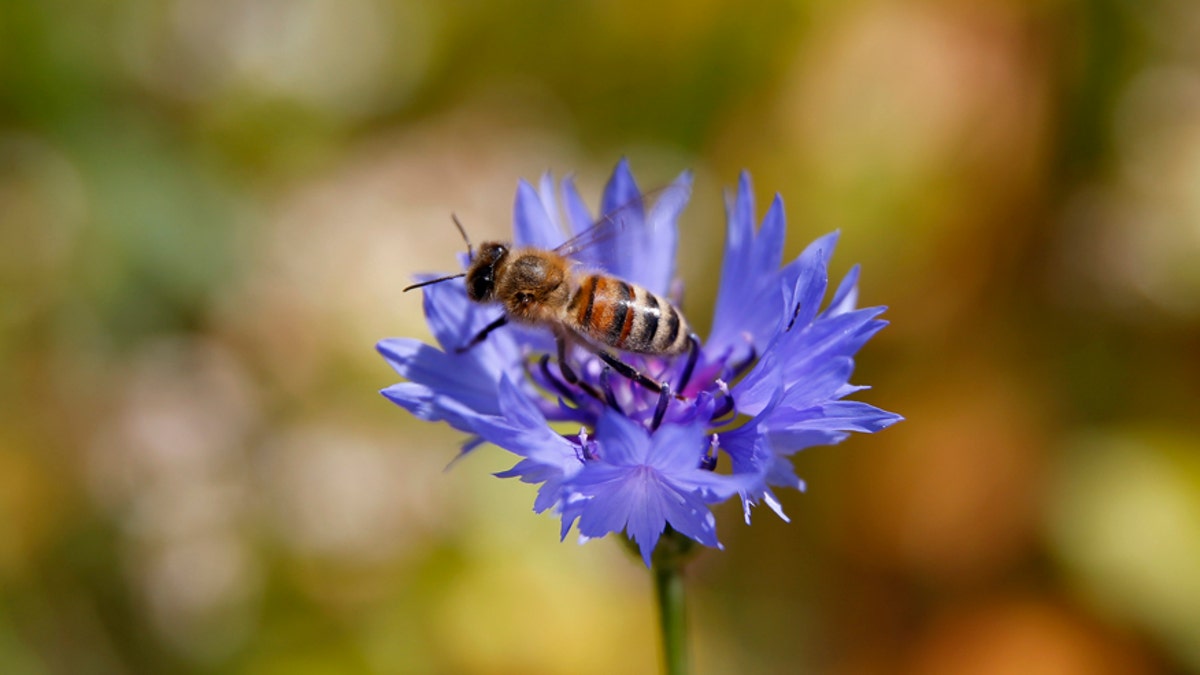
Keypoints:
pixel 541 287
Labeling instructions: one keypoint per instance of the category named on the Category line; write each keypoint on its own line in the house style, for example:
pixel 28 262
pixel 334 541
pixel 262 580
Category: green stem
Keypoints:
pixel 673 552
pixel 668 584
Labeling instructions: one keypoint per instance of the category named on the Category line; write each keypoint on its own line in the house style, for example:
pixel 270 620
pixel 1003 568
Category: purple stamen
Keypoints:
pixel 709 461
pixel 727 404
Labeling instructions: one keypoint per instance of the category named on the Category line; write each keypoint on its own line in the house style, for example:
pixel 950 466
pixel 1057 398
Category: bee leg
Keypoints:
pixel 563 391
pixel 628 371
pixel 693 352
pixel 569 375
pixel 664 397
pixel 482 335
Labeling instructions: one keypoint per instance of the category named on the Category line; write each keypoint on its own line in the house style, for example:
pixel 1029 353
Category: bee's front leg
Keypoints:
pixel 482 335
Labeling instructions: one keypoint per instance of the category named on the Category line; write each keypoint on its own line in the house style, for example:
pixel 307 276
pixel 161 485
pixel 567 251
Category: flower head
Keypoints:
pixel 770 380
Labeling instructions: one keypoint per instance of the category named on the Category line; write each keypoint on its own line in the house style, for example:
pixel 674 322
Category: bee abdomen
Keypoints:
pixel 628 317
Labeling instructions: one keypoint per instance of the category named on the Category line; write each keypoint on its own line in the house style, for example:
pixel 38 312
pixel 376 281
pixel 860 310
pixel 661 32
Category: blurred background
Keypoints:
pixel 208 209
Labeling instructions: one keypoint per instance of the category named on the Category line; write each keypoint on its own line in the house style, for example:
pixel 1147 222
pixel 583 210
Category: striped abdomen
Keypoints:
pixel 627 317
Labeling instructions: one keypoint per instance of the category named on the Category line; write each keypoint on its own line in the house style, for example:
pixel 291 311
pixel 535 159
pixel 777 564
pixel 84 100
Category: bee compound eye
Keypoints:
pixel 480 286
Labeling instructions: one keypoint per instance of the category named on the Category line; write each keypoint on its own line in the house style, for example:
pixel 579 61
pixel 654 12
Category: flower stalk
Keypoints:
pixel 670 557
pixel 668 586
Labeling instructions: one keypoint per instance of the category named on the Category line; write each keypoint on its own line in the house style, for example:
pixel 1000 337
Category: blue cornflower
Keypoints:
pixel 769 381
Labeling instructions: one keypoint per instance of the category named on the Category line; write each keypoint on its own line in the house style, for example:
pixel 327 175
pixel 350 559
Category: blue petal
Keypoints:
pixel 845 416
pixel 656 265
pixel 821 385
pixel 742 209
pixel 736 285
pixel 746 312
pixel 676 451
pixel 768 245
pixel 748 448
pixel 648 519
pixel 623 207
pixel 811 278
pixel 549 203
pixel 446 376
pixel 633 245
pixel 791 441
pixel 449 311
pixel 623 442
pixel 532 225
pixel 427 404
pixel 641 502
pixel 842 335
pixel 611 492
pixel 641 483
pixel 772 502
pixel 760 386
pixel 677 448
pixel 615 494
pixel 846 297
pixel 782 473
pixel 577 211
pixel 521 428
pixel 751 455
pixel 454 319
pixel 621 190
pixel 529 471
pixel 581 220
pixel 688 514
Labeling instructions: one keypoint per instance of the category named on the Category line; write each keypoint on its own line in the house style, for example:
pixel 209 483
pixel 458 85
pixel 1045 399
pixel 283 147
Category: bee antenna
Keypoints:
pixel 463 232
pixel 434 281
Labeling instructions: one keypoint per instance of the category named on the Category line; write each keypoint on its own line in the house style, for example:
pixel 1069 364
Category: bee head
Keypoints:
pixel 481 277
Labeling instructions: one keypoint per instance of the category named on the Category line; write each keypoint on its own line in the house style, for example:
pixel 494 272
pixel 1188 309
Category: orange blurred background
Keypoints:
pixel 208 210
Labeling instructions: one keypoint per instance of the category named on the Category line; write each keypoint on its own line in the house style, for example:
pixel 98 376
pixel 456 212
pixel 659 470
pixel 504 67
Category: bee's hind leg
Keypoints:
pixel 656 387
pixel 628 371
pixel 693 353
pixel 613 362
pixel 482 335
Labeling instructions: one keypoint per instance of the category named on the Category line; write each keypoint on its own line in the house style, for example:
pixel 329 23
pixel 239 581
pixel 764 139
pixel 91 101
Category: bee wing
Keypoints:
pixel 631 214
